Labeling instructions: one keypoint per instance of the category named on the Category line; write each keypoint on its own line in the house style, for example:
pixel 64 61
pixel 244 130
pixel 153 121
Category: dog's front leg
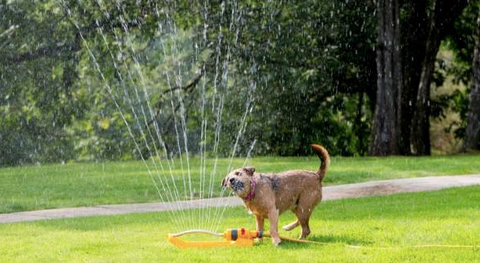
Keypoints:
pixel 260 220
pixel 273 218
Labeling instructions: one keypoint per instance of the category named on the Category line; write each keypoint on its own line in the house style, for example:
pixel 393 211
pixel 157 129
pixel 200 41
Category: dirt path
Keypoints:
pixel 330 193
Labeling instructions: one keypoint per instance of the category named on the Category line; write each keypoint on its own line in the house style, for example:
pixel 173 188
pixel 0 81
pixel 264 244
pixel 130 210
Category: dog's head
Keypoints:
pixel 239 181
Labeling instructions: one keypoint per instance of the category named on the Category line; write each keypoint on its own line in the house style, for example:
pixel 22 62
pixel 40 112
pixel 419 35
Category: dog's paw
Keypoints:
pixel 276 241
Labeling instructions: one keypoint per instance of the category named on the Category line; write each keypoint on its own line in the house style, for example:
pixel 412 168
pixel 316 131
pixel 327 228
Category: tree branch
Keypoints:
pixel 187 88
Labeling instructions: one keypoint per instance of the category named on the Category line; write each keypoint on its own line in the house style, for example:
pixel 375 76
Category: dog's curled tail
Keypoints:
pixel 324 158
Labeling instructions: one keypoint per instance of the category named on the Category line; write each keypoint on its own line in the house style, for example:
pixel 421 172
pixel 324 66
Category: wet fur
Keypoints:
pixel 298 191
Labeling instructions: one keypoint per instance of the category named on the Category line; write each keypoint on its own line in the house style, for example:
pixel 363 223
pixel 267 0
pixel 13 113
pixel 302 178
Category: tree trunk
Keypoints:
pixel 386 132
pixel 414 39
pixel 444 14
pixel 420 133
pixel 472 139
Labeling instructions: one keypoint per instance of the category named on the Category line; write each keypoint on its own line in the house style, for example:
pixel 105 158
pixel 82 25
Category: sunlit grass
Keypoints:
pixel 86 184
pixel 384 227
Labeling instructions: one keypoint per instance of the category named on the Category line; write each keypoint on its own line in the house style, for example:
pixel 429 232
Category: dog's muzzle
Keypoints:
pixel 236 185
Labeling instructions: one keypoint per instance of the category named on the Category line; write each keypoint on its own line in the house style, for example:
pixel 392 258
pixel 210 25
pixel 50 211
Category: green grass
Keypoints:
pixel 384 227
pixel 85 184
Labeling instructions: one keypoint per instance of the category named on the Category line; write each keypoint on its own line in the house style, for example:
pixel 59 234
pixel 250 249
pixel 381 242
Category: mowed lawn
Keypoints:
pixel 385 228
pixel 85 184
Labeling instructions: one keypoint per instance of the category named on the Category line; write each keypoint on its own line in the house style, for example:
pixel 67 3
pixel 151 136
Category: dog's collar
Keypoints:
pixel 251 195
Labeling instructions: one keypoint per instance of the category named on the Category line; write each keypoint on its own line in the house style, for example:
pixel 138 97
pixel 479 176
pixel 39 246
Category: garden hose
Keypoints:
pixel 364 247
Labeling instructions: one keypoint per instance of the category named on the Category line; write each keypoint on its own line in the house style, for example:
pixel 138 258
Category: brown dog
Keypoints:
pixel 269 195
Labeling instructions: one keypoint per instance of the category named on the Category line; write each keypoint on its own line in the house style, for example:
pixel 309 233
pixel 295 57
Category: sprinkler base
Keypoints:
pixel 240 237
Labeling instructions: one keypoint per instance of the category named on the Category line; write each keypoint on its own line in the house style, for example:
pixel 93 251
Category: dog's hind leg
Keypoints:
pixel 291 226
pixel 304 211
pixel 304 218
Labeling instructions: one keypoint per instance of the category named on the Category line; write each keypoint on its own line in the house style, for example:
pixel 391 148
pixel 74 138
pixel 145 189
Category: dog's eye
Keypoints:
pixel 238 173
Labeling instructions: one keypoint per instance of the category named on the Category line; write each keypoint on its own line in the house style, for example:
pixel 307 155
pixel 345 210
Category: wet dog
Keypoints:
pixel 269 195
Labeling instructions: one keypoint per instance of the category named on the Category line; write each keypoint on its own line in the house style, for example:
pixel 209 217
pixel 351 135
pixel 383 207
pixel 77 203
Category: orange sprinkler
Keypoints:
pixel 240 237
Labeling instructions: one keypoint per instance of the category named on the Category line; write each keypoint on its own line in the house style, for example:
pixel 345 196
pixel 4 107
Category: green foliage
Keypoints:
pixel 38 98
pixel 462 40
pixel 312 59
pixel 59 84
pixel 74 73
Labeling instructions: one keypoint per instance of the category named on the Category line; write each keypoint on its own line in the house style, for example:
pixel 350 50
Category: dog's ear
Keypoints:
pixel 249 170
pixel 224 183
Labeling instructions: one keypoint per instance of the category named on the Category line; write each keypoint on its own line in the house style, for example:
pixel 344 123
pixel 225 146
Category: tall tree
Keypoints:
pixel 414 39
pixel 405 70
pixel 386 131
pixel 472 139
pixel 441 21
